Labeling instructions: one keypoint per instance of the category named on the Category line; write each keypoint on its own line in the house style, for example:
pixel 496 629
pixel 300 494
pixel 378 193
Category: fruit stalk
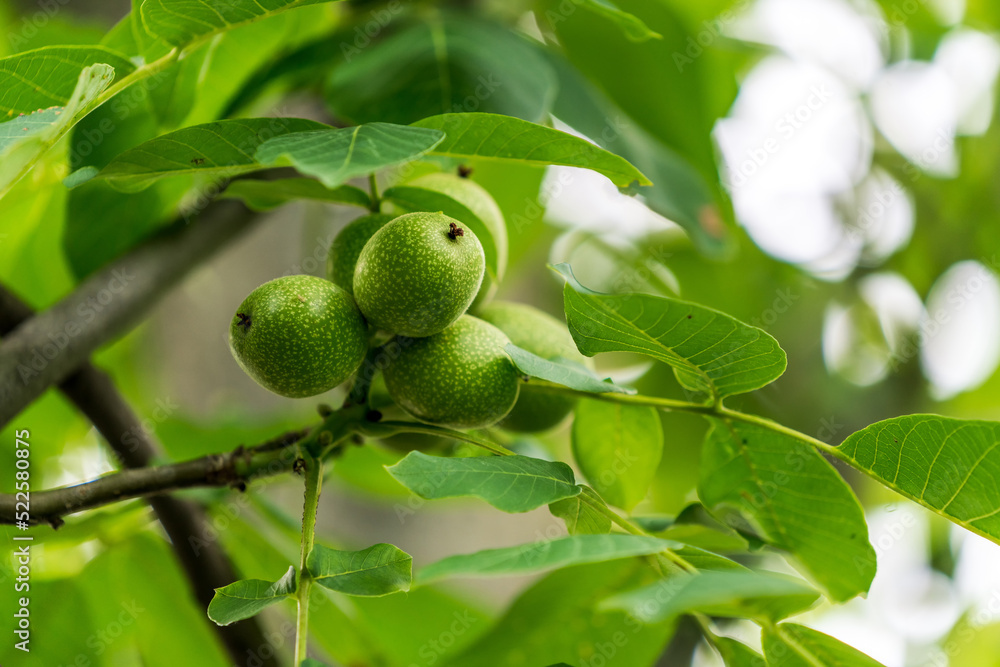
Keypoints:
pixel 313 481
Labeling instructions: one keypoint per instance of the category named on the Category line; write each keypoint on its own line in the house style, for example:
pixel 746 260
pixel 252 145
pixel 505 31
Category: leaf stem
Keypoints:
pixel 674 405
pixel 137 75
pixel 314 480
pixel 376 205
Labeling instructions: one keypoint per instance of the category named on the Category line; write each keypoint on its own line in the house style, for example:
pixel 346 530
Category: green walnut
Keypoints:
pixel 543 335
pixel 460 377
pixel 298 336
pixel 346 247
pixel 475 198
pixel 418 274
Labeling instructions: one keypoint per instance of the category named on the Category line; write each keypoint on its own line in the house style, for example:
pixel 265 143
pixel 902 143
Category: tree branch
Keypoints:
pixel 236 469
pixel 47 348
pixel 205 563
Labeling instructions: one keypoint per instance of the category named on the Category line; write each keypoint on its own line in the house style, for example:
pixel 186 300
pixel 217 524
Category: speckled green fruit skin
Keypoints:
pixel 413 279
pixel 305 337
pixel 541 334
pixel 346 247
pixel 475 198
pixel 460 377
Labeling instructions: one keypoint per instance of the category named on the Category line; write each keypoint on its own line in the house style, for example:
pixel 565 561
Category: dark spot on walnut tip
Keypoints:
pixel 244 321
pixel 299 466
pixel 464 171
pixel 454 231
pixel 373 416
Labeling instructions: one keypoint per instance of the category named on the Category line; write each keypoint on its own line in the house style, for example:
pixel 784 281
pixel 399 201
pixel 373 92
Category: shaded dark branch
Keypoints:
pixel 237 468
pixel 47 348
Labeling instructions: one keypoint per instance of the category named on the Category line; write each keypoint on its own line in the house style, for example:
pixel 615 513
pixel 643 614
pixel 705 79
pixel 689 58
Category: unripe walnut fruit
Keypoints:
pixel 298 336
pixel 460 377
pixel 543 335
pixel 418 274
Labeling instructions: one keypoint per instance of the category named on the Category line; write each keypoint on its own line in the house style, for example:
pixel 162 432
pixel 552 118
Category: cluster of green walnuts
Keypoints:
pixel 408 282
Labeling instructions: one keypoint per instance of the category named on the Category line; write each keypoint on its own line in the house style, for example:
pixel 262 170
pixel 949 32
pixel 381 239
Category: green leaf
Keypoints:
pixel 47 77
pixel 309 662
pixel 737 654
pixel 709 351
pixel 336 155
pixel 618 449
pixel 556 620
pixel 24 139
pixel 491 137
pixel 581 518
pixel 544 555
pixel 180 22
pixel 647 80
pixel 947 465
pixel 220 149
pixel 440 64
pixel 562 371
pixel 789 495
pixel 509 483
pixel 765 596
pixel 246 598
pixel 630 24
pixel 411 198
pixel 792 645
pixel 679 192
pixel 266 195
pixel 378 570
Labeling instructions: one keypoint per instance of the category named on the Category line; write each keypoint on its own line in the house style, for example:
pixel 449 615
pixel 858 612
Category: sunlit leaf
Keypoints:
pixel 245 598
pixel 509 483
pixel 792 645
pixel 335 155
pixel 180 22
pixel 25 138
pixel 486 136
pixel 709 351
pixel 218 150
pixel 947 465
pixel 35 80
pixel 562 371
pixel 735 593
pixel 581 517
pixel 380 569
pixel 737 654
pixel 790 496
pixel 618 449
pixel 556 620
pixel 544 555
pixel 630 24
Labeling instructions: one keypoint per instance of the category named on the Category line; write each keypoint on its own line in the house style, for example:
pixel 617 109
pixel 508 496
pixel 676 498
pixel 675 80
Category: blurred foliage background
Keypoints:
pixel 833 179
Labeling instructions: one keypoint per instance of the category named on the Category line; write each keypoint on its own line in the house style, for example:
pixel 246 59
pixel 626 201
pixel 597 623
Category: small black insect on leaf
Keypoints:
pixel 464 171
pixel 198 161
